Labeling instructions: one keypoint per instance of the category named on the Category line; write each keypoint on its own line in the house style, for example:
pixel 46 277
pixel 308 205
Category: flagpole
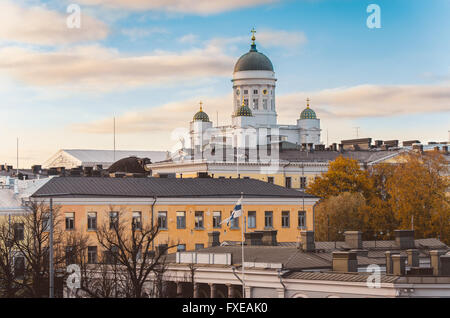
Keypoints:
pixel 242 247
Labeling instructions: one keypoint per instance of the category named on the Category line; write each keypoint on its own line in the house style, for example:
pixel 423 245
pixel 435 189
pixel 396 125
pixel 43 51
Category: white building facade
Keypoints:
pixel 254 112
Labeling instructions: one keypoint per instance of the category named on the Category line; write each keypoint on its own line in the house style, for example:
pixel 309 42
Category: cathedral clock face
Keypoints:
pixel 237 92
pixel 265 91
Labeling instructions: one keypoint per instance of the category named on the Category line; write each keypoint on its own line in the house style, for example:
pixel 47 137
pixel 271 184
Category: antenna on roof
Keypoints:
pixel 17 157
pixel 114 137
pixel 357 131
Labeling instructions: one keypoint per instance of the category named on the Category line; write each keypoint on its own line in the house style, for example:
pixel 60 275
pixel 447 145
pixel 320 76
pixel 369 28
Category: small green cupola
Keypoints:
pixel 308 113
pixel 201 115
pixel 244 110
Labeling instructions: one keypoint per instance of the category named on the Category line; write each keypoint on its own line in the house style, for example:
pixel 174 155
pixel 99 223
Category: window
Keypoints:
pixel 302 219
pixel 162 220
pixel 199 246
pixel 285 219
pixel 70 220
pixel 92 221
pixel 264 103
pixel 234 223
pixel 246 101
pixel 92 254
pixel 251 219
pixel 199 220
pixel 270 179
pixel 111 256
pixel 268 219
pixel 302 182
pixel 255 103
pixel 217 218
pixel 113 220
pixel 255 92
pixel 70 255
pixel 162 249
pixel 18 231
pixel 137 220
pixel 272 106
pixel 245 91
pixel 45 222
pixel 181 220
pixel 19 266
pixel 181 247
pixel 288 182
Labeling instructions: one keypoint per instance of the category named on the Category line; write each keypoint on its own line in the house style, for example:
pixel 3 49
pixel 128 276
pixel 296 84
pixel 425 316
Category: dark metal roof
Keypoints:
pixel 291 258
pixel 163 187
pixel 343 277
pixel 325 156
pixel 253 61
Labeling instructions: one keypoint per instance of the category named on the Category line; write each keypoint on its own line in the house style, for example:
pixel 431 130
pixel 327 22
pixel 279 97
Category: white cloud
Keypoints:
pixel 162 119
pixel 369 101
pixel 138 33
pixel 37 25
pixel 96 67
pixel 333 105
pixel 188 38
pixel 202 7
pixel 265 38
pixel 280 38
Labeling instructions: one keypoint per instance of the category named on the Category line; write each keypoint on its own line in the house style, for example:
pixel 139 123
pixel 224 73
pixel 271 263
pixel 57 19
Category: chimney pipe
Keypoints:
pixel 213 238
pixel 398 264
pixel 436 261
pixel 269 237
pixel 345 262
pixel 307 241
pixel 413 257
pixel 353 239
pixel 404 239
pixel 389 265
pixel 445 264
pixel 253 238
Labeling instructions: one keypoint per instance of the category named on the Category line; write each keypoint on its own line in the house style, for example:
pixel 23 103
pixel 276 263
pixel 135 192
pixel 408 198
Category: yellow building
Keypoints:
pixel 186 209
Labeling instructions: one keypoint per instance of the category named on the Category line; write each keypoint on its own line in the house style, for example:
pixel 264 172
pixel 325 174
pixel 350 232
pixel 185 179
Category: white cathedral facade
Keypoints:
pixel 254 114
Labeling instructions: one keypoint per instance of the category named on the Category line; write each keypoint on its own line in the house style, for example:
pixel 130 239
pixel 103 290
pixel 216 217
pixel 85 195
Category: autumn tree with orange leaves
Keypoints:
pixel 411 193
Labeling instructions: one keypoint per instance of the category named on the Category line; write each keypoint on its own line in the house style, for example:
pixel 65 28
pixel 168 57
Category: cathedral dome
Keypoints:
pixel 253 60
pixel 308 113
pixel 201 115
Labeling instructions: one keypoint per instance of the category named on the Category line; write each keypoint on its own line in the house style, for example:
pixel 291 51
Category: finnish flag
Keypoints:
pixel 237 212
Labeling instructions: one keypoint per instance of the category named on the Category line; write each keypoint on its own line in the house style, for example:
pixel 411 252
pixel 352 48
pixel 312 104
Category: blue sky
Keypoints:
pixel 150 64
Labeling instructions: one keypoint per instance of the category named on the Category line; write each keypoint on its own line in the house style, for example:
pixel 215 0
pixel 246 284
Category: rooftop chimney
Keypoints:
pixel 345 262
pixel 307 241
pixel 398 264
pixel 404 239
pixel 389 265
pixel 435 256
pixel 445 265
pixel 213 238
pixel 353 239
pixel 413 257
pixel 253 238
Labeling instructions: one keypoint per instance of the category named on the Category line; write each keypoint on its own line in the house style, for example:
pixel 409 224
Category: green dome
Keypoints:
pixel 201 116
pixel 244 111
pixel 308 113
pixel 253 61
